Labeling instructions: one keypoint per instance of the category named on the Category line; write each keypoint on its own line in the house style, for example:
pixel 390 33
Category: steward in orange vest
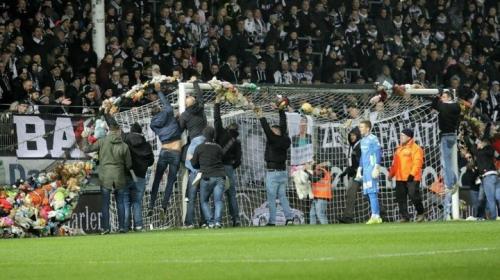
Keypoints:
pixel 322 192
pixel 322 183
pixel 407 170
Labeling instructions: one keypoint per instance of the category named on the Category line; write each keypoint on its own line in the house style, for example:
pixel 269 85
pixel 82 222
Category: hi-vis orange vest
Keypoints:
pixel 323 188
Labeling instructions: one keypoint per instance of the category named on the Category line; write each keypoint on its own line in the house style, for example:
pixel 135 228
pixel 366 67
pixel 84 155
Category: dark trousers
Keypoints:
pixel 351 195
pixel 412 190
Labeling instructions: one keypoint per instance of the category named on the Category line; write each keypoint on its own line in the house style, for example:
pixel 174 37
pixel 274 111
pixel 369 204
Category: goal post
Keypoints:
pixel 345 105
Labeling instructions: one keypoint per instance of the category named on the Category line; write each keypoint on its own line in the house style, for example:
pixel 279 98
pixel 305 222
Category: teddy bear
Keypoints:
pixel 73 185
pixel 6 222
pixel 302 182
pixel 57 199
pixel 44 211
pixel 62 214
pixel 24 215
pixel 17 232
pixel 282 102
pixel 37 196
pixel 41 179
pixel 5 205
pixel 100 129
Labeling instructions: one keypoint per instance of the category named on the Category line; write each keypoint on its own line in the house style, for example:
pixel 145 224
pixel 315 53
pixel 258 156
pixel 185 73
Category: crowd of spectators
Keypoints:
pixel 46 54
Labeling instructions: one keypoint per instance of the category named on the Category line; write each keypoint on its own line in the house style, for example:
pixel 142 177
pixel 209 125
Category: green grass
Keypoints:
pixel 454 250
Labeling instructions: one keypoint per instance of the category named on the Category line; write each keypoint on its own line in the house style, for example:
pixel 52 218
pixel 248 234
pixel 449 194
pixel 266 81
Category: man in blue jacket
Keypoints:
pixel 165 125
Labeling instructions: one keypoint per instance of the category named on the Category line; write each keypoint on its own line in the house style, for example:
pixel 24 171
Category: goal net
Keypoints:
pixel 343 108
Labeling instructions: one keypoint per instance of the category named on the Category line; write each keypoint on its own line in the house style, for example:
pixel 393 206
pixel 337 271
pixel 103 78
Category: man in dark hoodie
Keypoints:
pixel 227 138
pixel 165 126
pixel 207 158
pixel 353 186
pixel 142 157
pixel 114 162
pixel 275 155
pixel 194 120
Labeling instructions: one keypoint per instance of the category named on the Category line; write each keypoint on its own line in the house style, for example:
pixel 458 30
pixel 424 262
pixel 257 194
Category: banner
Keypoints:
pixel 300 129
pixel 46 136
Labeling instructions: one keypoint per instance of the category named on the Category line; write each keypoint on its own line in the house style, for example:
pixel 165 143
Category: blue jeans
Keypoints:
pixel 136 193
pixel 191 193
pixel 318 210
pixel 478 201
pixel 122 203
pixel 231 194
pixel 195 142
pixel 491 185
pixel 276 183
pixel 167 159
pixel 448 148
pixel 213 185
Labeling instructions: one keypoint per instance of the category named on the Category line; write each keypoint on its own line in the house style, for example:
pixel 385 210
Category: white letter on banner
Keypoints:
pixel 64 129
pixel 37 136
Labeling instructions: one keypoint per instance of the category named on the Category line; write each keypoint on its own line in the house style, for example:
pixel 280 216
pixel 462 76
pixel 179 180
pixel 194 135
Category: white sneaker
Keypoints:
pixel 498 218
pixel 197 179
pixel 471 218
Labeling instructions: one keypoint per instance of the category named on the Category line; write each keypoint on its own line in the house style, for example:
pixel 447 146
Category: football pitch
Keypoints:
pixel 453 250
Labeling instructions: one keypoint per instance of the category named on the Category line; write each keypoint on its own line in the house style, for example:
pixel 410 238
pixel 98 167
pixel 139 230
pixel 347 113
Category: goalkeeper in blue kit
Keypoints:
pixel 369 169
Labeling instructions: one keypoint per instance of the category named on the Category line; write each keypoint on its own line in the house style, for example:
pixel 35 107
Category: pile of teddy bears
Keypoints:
pixel 39 206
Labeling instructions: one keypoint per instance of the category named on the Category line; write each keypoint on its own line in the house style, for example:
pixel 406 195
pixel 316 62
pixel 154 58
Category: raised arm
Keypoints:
pixel 266 127
pixel 217 119
pixel 283 124
pixel 163 99
pixel 199 93
pixel 237 155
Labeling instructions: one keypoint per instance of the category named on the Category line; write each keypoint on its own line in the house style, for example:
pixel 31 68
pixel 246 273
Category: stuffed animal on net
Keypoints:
pixel 109 106
pixel 282 102
pixel 385 90
pixel 302 182
pixel 318 112
pixel 230 93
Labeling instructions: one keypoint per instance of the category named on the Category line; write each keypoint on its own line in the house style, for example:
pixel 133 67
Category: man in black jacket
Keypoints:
pixel 276 153
pixel 485 159
pixel 207 158
pixel 448 120
pixel 142 157
pixel 194 120
pixel 227 138
pixel 354 186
